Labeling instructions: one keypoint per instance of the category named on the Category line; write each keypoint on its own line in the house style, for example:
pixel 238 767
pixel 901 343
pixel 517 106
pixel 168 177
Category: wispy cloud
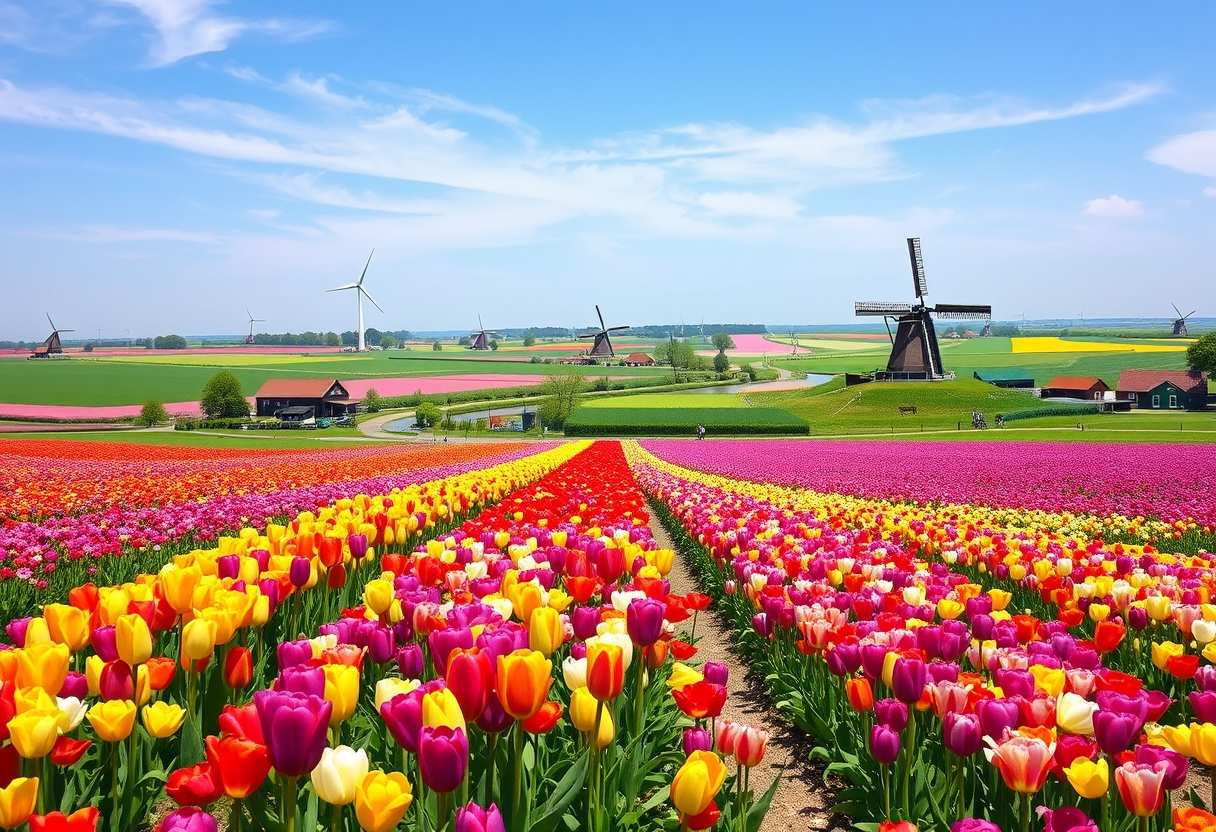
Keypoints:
pixel 191 27
pixel 1114 206
pixel 105 234
pixel 1189 153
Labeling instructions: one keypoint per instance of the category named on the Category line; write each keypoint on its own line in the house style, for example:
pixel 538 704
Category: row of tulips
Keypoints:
pixel 906 664
pixel 518 673
pixel 1113 486
pixel 105 701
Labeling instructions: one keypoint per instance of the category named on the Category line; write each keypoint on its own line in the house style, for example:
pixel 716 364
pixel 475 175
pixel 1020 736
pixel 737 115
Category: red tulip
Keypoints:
pixel 238 668
pixel 544 720
pixel 192 786
pixel 238 766
pixel 160 672
pixel 67 751
pixel 470 677
pixel 700 700
pixel 242 722
pixel 82 820
pixel 682 650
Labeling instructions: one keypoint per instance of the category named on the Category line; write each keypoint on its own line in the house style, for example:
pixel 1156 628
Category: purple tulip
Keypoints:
pixel 716 673
pixel 982 626
pixel 410 661
pixel 381 645
pixel 996 716
pixel 1203 703
pixel 1205 678
pixel 1015 682
pixel 1114 731
pixel 697 739
pixel 494 720
pixel 358 545
pixel 299 572
pixel 974 825
pixel 939 672
pixel 908 680
pixel 188 819
pixel 585 620
pixel 884 744
pixel 75 684
pixel 873 656
pixel 961 734
pixel 891 713
pixel 1175 774
pixel 228 566
pixel 473 818
pixel 295 727
pixel 105 643
pixel 402 716
pixel 309 681
pixel 1066 819
pixel 443 757
pixel 1137 618
pixel 644 620
pixel 16 630
pixel 293 653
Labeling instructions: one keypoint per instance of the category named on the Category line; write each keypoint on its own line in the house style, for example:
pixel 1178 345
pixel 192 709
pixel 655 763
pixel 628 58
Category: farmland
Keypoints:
pixel 682 421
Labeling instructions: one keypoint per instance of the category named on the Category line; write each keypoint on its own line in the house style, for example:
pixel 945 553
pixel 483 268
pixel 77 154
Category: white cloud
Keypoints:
pixel 106 234
pixel 1209 191
pixel 1114 206
pixel 189 27
pixel 1189 153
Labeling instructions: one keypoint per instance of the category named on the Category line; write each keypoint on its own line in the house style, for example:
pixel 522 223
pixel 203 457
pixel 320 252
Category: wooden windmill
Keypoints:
pixel 1180 321
pixel 601 347
pixel 914 351
pixel 481 338
pixel 52 346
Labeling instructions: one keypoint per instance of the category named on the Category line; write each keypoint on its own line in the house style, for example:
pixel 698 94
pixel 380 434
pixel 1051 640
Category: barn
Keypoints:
pixel 638 359
pixel 1163 389
pixel 326 397
pixel 1090 388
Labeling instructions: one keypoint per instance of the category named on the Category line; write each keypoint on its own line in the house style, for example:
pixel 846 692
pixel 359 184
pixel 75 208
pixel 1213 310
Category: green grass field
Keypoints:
pixel 196 439
pixel 673 400
pixel 682 421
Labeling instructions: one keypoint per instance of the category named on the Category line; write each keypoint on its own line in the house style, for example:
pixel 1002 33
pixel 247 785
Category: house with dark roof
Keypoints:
pixel 1011 377
pixel 325 396
pixel 1090 388
pixel 1163 389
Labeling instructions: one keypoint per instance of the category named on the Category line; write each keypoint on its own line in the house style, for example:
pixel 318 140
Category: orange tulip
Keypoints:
pixel 523 683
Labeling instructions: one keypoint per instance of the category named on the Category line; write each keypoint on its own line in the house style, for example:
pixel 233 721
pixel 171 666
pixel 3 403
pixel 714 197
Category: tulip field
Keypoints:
pixel 484 638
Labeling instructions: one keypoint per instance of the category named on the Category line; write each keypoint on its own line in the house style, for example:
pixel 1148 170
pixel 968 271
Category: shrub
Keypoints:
pixel 223 398
pixel 428 414
pixel 153 412
pixel 437 347
pixel 373 400
pixel 1058 410
pixel 529 340
pixel 721 362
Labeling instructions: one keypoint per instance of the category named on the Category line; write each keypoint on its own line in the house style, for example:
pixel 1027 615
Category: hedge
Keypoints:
pixel 682 421
pixel 1058 410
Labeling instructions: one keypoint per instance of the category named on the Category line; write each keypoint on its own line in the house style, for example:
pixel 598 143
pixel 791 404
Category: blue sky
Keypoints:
pixel 165 163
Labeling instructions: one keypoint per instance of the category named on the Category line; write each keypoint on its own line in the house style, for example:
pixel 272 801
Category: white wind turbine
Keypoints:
pixel 360 292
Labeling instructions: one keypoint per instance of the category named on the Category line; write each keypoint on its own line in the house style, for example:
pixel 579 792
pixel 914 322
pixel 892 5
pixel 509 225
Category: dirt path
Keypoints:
pixel 802 800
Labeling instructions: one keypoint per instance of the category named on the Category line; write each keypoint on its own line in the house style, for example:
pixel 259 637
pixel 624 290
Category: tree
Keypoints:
pixel 169 342
pixel 153 412
pixel 465 341
pixel 1201 355
pixel 493 344
pixel 562 392
pixel 428 414
pixel 722 341
pixel 223 398
pixel 389 342
pixel 373 400
pixel 332 339
pixel 529 340
pixel 437 346
pixel 721 362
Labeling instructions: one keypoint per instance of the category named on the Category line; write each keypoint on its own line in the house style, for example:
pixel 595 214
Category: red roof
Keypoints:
pixel 299 388
pixel 1142 381
pixel 1074 383
pixel 638 358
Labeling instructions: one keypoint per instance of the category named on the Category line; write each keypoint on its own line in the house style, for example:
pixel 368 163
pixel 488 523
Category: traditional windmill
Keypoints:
pixel 914 351
pixel 52 346
pixel 361 293
pixel 481 338
pixel 1180 321
pixel 601 347
pixel 252 321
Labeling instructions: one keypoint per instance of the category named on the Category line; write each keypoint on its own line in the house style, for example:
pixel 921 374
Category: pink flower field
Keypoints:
pixel 1170 482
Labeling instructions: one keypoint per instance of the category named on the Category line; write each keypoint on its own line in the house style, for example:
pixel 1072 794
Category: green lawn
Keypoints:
pixel 675 400
pixel 682 421
pixel 194 439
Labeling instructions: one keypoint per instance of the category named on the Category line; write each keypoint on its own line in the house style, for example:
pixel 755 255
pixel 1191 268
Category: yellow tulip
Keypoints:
pixel 17 801
pixel 378 596
pixel 35 731
pixel 198 639
pixel 36 631
pixel 440 709
pixel 43 665
pixel 697 782
pixel 68 625
pixel 682 676
pixel 134 639
pixel 342 689
pixel 1090 779
pixel 112 720
pixel 1158 607
pixel 949 609
pixel 178 584
pixel 381 800
pixel 1099 612
pixel 545 630
pixel 1178 737
pixel 1203 742
pixel 163 719
pixel 390 688
pixel 1048 680
pixel 1000 598
pixel 1162 652
pixel 29 699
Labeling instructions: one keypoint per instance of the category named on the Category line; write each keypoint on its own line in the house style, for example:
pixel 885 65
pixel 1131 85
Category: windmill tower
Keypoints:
pixel 601 347
pixel 481 338
pixel 1180 321
pixel 360 293
pixel 914 351
pixel 252 321
pixel 52 347
pixel 794 341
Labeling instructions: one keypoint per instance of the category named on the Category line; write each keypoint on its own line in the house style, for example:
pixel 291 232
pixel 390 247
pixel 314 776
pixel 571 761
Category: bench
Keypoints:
pixel 907 410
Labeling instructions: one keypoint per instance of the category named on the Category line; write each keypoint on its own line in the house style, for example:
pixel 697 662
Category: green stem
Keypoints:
pixel 291 793
pixel 961 811
pixel 236 816
pixel 886 791
pixel 517 793
pixel 490 763
pixel 336 825
pixel 1025 813
pixel 639 697
pixel 114 784
pixel 39 766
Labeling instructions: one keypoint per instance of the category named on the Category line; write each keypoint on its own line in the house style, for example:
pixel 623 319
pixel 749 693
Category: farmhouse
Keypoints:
pixel 326 397
pixel 1010 377
pixel 1076 387
pixel 638 359
pixel 1163 389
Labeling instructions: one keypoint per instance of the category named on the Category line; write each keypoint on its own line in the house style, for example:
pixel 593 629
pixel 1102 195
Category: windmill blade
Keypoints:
pixel 601 314
pixel 365 265
pixel 962 311
pixel 1176 309
pixel 589 335
pixel 615 328
pixel 343 288
pixel 1189 314
pixel 918 267
pixel 52 323
pixel 864 308
pixel 369 297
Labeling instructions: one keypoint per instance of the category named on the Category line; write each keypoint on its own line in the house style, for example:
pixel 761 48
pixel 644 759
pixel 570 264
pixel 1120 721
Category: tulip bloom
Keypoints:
pixel 198 639
pixel 961 734
pixel 884 744
pixel 1022 761
pixel 192 786
pixel 238 766
pixel 43 665
pixel 545 630
pixel 1193 820
pixel 134 639
pixel 1089 778
pixel 339 773
pixel 113 720
pixel 295 727
pixel 605 670
pixel 161 719
pixel 644 620
pixel 381 800
pixel 68 625
pixel 701 700
pixel 473 818
pixel 1142 787
pixel 67 752
pixel 341 691
pixel 82 820
pixel 751 745
pixel 524 678
pixel 188 819
pixel 860 694
pixel 34 732
pixel 697 782
pixel 238 668
pixel 470 678
pixel 443 757
pixel 544 720
pixel 17 801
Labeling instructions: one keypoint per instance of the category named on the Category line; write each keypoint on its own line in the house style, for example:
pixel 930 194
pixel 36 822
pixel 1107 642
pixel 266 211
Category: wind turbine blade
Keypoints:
pixel 343 288
pixel 248 313
pixel 369 297
pixel 601 314
pixel 365 265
